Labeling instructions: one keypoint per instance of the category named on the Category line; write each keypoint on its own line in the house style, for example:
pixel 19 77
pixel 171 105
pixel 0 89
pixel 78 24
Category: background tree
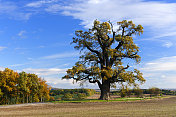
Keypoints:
pixel 22 88
pixel 44 90
pixel 8 83
pixel 105 50
pixel 33 96
pixel 123 92
pixel 128 91
pixel 138 92
pixel 22 85
pixel 154 91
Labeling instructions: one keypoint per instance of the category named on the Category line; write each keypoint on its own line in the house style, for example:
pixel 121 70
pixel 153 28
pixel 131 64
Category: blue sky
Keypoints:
pixel 36 34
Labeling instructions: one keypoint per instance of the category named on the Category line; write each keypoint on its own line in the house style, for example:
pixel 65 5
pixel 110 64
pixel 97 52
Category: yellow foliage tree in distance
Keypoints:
pixel 22 87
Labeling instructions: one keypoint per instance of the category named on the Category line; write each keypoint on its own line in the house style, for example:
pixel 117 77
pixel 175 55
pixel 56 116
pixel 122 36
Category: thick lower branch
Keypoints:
pixel 95 81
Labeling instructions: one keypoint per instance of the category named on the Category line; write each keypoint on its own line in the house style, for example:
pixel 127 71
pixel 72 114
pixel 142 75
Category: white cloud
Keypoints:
pixel 2 48
pixel 162 64
pixel 61 55
pixel 45 71
pixel 167 34
pixel 1 68
pixel 160 72
pixel 40 3
pixel 12 11
pixel 96 1
pixel 17 65
pixel 54 8
pixel 7 7
pixel 168 44
pixel 59 81
pixel 22 33
pixel 19 48
pixel 154 14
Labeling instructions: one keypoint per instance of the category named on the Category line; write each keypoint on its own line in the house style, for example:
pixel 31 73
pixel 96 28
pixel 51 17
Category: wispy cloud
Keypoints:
pixel 54 8
pixel 170 33
pixel 2 48
pixel 162 64
pixel 153 14
pixel 160 72
pixel 10 10
pixel 58 83
pixel 157 16
pixel 40 3
pixel 17 65
pixel 22 33
pixel 19 48
pixel 61 55
pixel 45 71
pixel 168 44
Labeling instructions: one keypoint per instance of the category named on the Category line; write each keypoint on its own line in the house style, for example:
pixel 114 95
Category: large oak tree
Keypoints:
pixel 104 52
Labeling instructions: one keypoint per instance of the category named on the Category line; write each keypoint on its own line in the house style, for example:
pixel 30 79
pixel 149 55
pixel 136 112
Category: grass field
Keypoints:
pixel 163 107
pixel 112 100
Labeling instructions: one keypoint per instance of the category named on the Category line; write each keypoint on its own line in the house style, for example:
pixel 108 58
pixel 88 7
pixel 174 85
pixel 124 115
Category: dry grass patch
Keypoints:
pixel 145 108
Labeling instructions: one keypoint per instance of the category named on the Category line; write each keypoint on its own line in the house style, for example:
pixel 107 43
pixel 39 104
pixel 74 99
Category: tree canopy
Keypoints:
pixel 22 88
pixel 104 50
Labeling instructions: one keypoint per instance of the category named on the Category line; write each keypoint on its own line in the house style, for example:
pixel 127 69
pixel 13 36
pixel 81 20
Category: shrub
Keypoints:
pixel 81 96
pixel 122 93
pixel 154 91
pixel 67 96
pixel 52 99
pixel 138 92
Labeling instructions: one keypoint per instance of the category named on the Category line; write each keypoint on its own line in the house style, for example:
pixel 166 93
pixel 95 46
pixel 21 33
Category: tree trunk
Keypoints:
pixel 23 98
pixel 27 98
pixel 105 90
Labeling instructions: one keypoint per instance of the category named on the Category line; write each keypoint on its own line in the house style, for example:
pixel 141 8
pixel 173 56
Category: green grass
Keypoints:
pixel 113 100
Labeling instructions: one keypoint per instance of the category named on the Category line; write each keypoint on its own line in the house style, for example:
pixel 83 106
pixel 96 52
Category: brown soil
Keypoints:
pixel 146 108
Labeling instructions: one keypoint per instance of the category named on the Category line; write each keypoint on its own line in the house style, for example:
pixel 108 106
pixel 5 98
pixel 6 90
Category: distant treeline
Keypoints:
pixel 16 88
pixel 74 94
pixel 70 94
pixel 140 92
pixel 168 92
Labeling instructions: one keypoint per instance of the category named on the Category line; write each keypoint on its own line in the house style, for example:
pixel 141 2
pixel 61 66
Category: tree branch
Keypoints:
pixel 113 38
pixel 130 56
pixel 114 78
pixel 92 50
pixel 95 81
pixel 117 47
